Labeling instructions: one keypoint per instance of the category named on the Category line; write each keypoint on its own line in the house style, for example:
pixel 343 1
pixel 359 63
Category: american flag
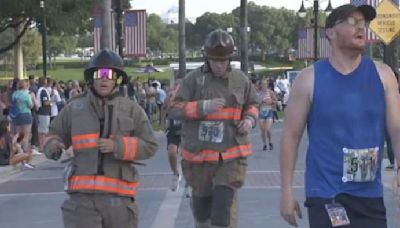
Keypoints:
pixel 305 38
pixel 135 33
pixel 98 26
pixel 324 45
pixel 371 37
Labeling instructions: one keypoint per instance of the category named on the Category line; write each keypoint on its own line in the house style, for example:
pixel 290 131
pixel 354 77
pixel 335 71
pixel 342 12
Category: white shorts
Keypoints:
pixel 43 124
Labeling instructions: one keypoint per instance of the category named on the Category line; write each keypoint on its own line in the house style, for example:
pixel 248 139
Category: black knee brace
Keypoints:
pixel 221 207
pixel 201 208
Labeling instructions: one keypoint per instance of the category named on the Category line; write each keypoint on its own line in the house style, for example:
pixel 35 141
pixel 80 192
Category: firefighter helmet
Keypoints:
pixel 106 59
pixel 219 45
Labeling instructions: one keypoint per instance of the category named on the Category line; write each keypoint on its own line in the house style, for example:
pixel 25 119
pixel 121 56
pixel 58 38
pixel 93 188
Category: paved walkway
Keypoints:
pixel 37 194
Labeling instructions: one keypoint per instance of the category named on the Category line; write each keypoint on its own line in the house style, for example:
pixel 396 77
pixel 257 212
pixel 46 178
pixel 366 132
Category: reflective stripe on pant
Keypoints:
pixel 84 210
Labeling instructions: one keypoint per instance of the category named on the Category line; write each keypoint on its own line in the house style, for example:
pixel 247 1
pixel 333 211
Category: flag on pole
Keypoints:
pixel 371 37
pixel 324 45
pixel 135 33
pixel 98 27
pixel 305 39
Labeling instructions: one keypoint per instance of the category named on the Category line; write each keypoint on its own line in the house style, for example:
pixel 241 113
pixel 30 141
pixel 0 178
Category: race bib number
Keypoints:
pixel 211 131
pixel 360 165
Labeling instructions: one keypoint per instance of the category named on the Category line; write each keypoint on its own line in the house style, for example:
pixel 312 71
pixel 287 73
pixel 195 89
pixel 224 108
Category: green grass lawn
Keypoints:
pixel 77 74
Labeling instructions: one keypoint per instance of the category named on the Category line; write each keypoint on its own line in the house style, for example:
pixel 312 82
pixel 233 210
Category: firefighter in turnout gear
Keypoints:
pixel 218 106
pixel 109 134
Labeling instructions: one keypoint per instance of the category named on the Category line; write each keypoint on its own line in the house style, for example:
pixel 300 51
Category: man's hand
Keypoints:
pixel 54 149
pixel 213 105
pixel 289 208
pixel 106 145
pixel 245 126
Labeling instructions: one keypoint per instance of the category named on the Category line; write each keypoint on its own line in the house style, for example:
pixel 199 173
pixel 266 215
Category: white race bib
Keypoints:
pixel 360 165
pixel 211 131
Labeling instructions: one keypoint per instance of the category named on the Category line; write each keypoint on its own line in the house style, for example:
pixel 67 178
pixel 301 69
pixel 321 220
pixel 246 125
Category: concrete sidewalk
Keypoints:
pixel 7 172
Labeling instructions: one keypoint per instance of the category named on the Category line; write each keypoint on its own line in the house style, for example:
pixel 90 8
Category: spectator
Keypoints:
pixel 55 100
pixel 61 92
pixel 67 90
pixel 33 86
pixel 20 114
pixel 75 89
pixel 11 151
pixel 44 111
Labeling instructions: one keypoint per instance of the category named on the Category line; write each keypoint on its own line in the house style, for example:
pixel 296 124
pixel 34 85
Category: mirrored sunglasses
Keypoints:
pixel 105 73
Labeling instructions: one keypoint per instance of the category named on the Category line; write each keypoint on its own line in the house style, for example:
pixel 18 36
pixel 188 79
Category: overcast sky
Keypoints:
pixel 195 8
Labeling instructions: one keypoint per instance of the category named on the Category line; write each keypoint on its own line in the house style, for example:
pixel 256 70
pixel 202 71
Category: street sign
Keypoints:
pixel 387 22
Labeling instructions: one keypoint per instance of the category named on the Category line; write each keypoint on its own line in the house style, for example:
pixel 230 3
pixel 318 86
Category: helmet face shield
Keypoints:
pixel 105 73
pixel 105 64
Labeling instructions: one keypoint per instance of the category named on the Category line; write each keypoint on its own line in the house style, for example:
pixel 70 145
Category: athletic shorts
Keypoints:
pixel 22 119
pixel 173 138
pixel 43 124
pixel 265 115
pixel 362 211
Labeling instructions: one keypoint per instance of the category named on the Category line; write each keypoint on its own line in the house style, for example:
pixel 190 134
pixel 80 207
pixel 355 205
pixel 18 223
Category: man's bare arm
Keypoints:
pixel 392 98
pixel 295 120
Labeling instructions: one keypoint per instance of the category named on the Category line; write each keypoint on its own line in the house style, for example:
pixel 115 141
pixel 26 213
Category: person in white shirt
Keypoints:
pixel 54 99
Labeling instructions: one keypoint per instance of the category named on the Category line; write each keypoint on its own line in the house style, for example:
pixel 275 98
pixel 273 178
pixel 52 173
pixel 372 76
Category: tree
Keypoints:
pixel 155 27
pixel 161 37
pixel 63 17
pixel 211 21
pixel 272 30
pixel 31 47
pixel 58 45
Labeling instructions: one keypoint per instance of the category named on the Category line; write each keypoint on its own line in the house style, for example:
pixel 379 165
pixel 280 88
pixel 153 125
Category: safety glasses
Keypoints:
pixel 105 73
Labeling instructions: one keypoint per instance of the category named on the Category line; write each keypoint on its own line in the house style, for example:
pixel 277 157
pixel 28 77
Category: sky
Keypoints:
pixel 195 8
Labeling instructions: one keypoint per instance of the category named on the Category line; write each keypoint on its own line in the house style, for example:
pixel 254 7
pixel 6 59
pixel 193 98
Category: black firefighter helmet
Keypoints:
pixel 106 59
pixel 219 45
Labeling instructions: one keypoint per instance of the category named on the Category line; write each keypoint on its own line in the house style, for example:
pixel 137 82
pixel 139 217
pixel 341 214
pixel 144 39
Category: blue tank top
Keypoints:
pixel 347 111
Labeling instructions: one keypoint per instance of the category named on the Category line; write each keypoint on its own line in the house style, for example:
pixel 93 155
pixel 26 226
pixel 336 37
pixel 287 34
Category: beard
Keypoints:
pixel 347 45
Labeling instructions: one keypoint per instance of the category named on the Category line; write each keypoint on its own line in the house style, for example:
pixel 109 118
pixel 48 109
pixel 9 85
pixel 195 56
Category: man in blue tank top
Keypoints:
pixel 346 102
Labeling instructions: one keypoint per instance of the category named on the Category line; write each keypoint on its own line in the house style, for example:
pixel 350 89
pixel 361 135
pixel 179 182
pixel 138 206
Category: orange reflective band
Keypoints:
pixel 213 155
pixel 226 114
pixel 253 111
pixel 191 109
pixel 85 141
pixel 130 144
pixel 104 184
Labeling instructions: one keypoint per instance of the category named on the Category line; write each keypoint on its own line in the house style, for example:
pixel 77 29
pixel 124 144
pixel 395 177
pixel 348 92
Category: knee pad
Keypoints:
pixel 201 208
pixel 221 207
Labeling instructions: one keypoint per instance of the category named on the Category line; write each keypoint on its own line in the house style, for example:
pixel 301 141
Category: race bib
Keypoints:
pixel 211 131
pixel 360 165
pixel 337 214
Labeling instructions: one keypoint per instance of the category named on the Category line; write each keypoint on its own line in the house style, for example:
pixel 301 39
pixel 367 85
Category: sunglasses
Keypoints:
pixel 105 73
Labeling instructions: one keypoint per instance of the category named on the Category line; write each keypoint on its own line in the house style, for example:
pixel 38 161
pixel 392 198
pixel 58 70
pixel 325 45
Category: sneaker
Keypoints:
pixel 390 167
pixel 36 152
pixel 187 191
pixel 265 148
pixel 175 182
pixel 28 166
pixel 271 146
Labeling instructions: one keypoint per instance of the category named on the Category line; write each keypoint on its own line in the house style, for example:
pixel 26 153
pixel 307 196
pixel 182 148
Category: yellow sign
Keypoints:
pixel 387 22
